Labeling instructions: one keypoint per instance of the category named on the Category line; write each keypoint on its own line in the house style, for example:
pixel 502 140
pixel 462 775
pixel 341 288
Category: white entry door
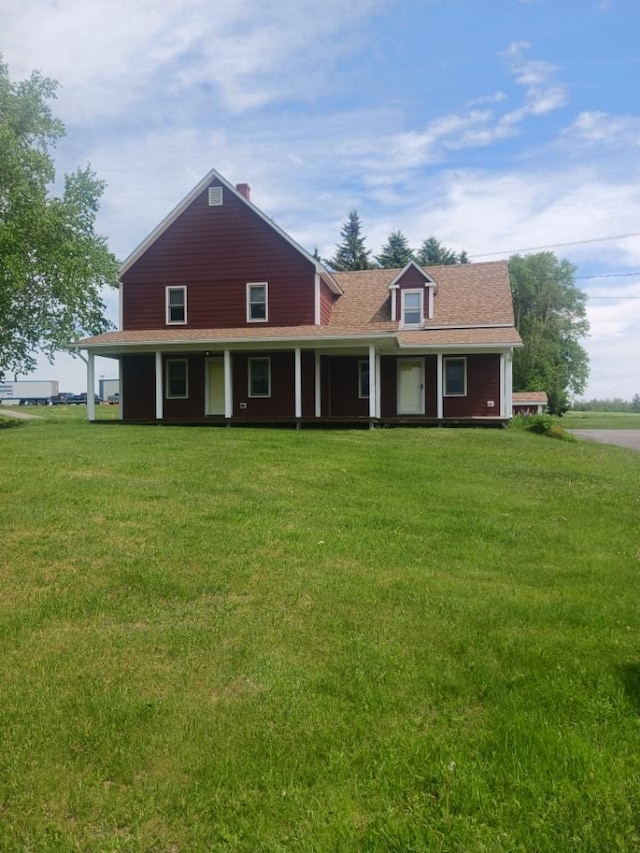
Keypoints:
pixel 411 386
pixel 214 403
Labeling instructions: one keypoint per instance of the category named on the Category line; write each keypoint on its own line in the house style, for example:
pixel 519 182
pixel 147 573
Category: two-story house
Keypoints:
pixel 224 318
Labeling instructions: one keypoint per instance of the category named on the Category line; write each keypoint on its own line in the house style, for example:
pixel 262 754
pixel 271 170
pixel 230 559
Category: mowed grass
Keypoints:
pixel 600 420
pixel 398 640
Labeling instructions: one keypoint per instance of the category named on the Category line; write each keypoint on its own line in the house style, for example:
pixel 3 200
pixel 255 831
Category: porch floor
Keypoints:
pixel 340 422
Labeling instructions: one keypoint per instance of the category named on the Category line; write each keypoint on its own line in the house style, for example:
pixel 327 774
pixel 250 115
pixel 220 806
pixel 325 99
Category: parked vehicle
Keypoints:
pixel 29 392
pixel 113 399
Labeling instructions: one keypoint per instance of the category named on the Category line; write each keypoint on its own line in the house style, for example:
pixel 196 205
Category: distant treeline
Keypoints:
pixel 615 405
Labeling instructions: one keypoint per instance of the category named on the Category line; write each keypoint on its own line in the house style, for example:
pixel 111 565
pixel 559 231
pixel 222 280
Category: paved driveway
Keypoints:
pixel 621 437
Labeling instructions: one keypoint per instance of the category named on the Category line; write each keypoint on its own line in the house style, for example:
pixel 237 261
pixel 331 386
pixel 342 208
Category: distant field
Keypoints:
pixel 247 640
pixel 600 420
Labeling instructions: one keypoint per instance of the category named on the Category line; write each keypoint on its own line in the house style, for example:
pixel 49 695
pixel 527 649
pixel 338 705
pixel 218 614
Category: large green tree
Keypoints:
pixel 396 252
pixel 433 253
pixel 351 253
pixel 550 314
pixel 53 266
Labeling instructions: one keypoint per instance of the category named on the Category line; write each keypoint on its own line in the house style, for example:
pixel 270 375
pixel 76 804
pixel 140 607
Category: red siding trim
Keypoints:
pixel 327 299
pixel 483 384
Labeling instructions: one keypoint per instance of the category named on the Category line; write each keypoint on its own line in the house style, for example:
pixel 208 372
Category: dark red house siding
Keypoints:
pixel 483 384
pixel 343 388
pixel 176 409
pixel 326 304
pixel 137 392
pixel 214 252
pixel 389 385
pixel 281 403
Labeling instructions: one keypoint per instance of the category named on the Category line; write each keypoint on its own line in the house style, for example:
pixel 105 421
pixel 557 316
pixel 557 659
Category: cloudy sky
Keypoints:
pixel 495 125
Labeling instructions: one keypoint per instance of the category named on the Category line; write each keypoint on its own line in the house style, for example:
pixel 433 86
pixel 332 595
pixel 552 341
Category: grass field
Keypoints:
pixel 600 420
pixel 398 640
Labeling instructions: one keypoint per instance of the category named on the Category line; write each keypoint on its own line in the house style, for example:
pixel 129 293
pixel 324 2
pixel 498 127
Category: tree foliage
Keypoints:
pixel 396 252
pixel 53 266
pixel 433 253
pixel 351 253
pixel 550 314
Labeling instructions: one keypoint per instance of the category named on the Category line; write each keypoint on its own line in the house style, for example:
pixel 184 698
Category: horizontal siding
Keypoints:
pixel 326 304
pixel 214 252
pixel 483 384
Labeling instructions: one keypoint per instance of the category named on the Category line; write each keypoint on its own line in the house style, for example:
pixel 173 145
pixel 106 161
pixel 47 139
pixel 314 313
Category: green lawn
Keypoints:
pixel 398 640
pixel 600 420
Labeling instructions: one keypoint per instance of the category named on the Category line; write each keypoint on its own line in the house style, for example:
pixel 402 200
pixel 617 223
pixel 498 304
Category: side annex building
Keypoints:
pixel 225 319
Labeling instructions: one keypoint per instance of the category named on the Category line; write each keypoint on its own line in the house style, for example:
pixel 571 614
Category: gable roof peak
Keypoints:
pixel 428 278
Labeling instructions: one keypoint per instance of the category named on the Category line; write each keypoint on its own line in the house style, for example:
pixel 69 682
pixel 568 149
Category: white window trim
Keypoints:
pixel 250 362
pixel 446 360
pixel 363 363
pixel 167 291
pixel 413 290
pixel 167 388
pixel 251 284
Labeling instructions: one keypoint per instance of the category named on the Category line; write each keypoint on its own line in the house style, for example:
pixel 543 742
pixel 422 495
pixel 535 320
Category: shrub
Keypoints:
pixel 540 424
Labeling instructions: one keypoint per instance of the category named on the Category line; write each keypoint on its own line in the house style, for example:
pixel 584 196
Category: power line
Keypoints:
pixel 612 297
pixel 557 245
pixel 609 275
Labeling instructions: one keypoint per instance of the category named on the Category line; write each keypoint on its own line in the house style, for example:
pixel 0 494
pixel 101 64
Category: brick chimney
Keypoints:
pixel 245 190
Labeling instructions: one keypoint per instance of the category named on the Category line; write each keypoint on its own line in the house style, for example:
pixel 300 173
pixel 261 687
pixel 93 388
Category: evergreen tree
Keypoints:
pixel 396 252
pixel 550 314
pixel 351 253
pixel 433 253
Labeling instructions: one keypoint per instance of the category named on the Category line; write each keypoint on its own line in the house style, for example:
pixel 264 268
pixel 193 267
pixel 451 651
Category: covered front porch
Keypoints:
pixel 362 384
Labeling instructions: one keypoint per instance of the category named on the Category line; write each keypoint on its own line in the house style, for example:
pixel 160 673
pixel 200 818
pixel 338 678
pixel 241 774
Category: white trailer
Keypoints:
pixel 29 392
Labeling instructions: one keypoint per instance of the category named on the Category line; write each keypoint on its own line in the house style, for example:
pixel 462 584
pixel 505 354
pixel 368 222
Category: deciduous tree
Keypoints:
pixel 550 314
pixel 53 266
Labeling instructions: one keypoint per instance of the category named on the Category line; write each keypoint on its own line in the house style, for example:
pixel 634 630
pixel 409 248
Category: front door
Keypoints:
pixel 411 386
pixel 214 403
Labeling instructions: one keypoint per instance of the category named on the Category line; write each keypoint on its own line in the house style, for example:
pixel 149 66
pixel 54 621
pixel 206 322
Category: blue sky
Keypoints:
pixel 495 126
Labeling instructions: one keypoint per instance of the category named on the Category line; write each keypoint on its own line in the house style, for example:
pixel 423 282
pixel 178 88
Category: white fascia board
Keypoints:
pixel 458 348
pixel 191 197
pixel 430 281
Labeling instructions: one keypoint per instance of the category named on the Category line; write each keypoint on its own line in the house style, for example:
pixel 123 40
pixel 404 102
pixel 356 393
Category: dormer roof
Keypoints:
pixel 429 281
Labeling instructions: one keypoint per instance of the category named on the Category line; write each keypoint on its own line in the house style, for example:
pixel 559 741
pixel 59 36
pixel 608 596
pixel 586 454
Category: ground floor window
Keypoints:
pixel 455 377
pixel 259 377
pixel 363 379
pixel 177 378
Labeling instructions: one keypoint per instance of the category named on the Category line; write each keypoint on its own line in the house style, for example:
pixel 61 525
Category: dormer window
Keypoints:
pixel 412 307
pixel 176 305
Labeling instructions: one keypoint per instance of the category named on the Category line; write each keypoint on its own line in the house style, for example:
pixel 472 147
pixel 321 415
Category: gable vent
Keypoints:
pixel 215 196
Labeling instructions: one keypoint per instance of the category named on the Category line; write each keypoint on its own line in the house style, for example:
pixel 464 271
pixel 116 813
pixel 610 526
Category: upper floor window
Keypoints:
pixel 412 307
pixel 176 305
pixel 177 378
pixel 259 377
pixel 257 302
pixel 455 377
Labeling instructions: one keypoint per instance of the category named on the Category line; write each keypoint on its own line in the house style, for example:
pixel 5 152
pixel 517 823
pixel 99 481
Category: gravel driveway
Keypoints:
pixel 8 412
pixel 629 438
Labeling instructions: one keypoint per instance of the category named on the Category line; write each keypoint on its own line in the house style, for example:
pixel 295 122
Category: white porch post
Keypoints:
pixel 318 390
pixel 373 383
pixel 298 381
pixel 439 387
pixel 378 387
pixel 503 396
pixel 508 384
pixel 91 399
pixel 228 385
pixel 159 394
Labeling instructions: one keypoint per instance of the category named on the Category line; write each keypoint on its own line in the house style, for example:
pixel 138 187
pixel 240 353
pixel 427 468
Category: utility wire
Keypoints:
pixel 557 245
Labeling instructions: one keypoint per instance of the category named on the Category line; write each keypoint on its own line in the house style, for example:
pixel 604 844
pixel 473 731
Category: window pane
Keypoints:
pixel 176 379
pixel 363 370
pixel 454 377
pixel 259 377
pixel 411 305
pixel 176 305
pixel 258 302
